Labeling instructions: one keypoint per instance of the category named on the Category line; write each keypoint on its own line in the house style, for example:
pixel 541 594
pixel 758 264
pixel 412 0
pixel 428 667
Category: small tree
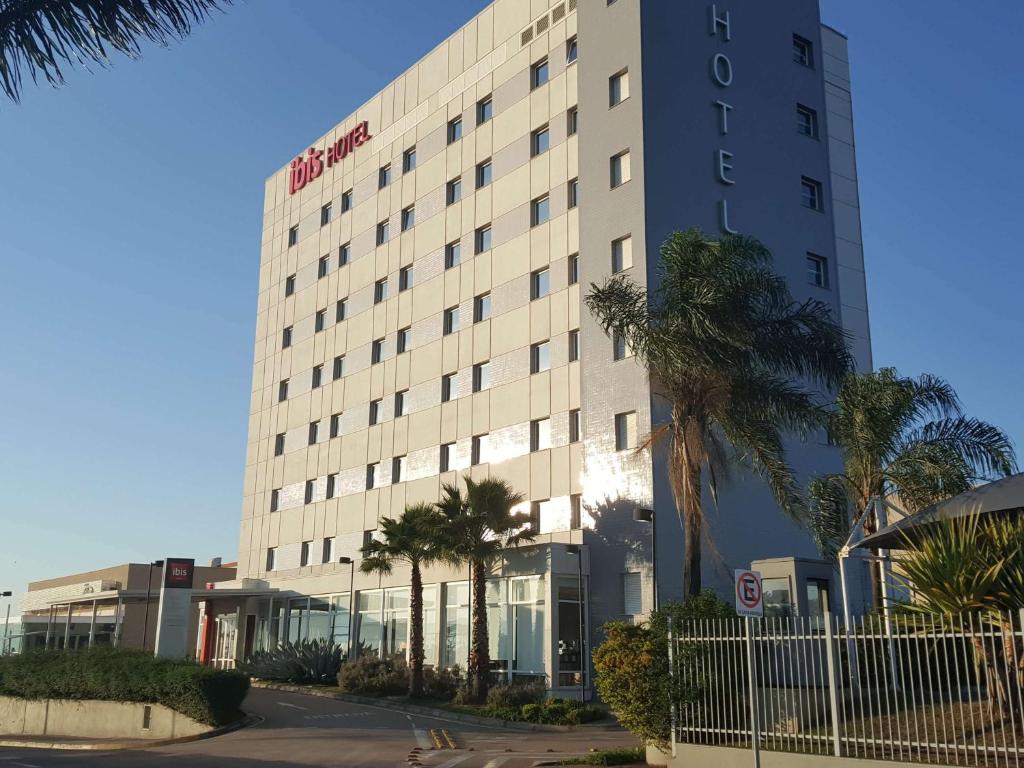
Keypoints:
pixel 412 539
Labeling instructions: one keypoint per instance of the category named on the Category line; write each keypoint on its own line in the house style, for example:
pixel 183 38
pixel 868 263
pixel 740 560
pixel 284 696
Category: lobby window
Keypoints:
pixel 344 254
pixel 286 337
pixel 289 285
pixel 817 270
pixel 451 321
pixel 574 268
pixel 619 167
pixel 482 308
pixel 314 432
pixel 384 176
pixel 539 73
pixel 308 494
pixel 377 351
pixel 484 110
pixel 622 254
pixel 279 444
pixel 338 369
pixel 572 123
pixel 575 508
pixel 408 218
pixel 454 130
pixel 325 215
pixel 483 238
pixel 341 310
pixel 447 387
pixel 574 425
pixel 572 50
pixel 482 376
pixel 383 232
pixel 380 290
pixel 540 141
pixel 275 499
pixel 282 391
pixel 328 555
pixel 803 51
pixel 810 193
pixel 574 345
pixel 397 469
pixel 318 376
pixel 335 425
pixel 625 431
pixel 404 343
pixel 321 320
pixel 271 558
pixel 540 210
pixel 332 486
pixel 372 475
pixel 806 121
pixel 447 457
pixel 483 174
pixel 540 284
pixel 540 357
pixel 374 412
pixel 400 398
pixel 409 160
pixel 452 254
pixel 293 235
pixel 618 88
pixel 574 193
pixel 304 553
pixel 346 200
pixel 454 191
pixel 540 435
pixel 620 349
pixel 476 450
pixel 322 267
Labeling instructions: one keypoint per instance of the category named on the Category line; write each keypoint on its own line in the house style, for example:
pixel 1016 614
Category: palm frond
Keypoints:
pixel 828 513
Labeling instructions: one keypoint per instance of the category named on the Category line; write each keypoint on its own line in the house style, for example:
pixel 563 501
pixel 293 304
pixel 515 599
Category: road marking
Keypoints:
pixel 336 715
pixel 423 738
pixel 292 706
pixel 497 762
pixel 455 761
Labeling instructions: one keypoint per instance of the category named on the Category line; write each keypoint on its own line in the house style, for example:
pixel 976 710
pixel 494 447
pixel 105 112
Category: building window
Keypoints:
pixel 632 594
pixel 575 510
pixel 484 110
pixel 322 267
pixel 572 50
pixel 482 308
pixel 803 51
pixel 618 88
pixel 540 357
pixel 374 412
pixel 540 435
pixel 574 346
pixel 447 387
pixel 483 174
pixel 409 160
pixel 380 290
pixel 397 469
pixel 540 284
pixel 383 232
pixel 338 369
pixel 454 130
pixel 817 270
pixel 810 193
pixel 286 337
pixel 282 391
pixel 405 276
pixel 572 121
pixel 275 499
pixel 293 235
pixel 308 494
pixel 279 444
pixel 620 350
pixel 483 238
pixel 574 268
pixel 271 558
pixel 540 141
pixel 481 376
pixel 289 285
pixel 325 215
pixel 447 456
pixel 372 475
pixel 320 320
pixel 476 451
pixel 384 176
pixel 377 351
pixel 344 254
pixel 574 192
pixel 620 171
pixel 318 376
pixel 574 425
pixel 539 73
pixel 400 398
pixel 540 210
pixel 328 551
pixel 454 192
pixel 332 485
pixel 304 553
pixel 452 254
pixel 806 121
pixel 341 310
pixel 335 425
pixel 346 201
pixel 404 342
pixel 408 218
pixel 451 321
pixel 625 431
pixel 367 537
pixel 314 432
pixel 622 253
pixel 535 509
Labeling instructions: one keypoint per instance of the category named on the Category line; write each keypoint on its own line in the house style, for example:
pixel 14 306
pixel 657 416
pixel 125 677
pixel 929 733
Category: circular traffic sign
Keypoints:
pixel 748 589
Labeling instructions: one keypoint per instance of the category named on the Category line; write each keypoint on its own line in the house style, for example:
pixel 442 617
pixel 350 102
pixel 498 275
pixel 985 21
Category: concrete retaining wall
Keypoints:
pixel 690 755
pixel 94 719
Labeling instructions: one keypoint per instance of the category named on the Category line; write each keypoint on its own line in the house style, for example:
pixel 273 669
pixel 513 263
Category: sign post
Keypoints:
pixel 175 608
pixel 750 605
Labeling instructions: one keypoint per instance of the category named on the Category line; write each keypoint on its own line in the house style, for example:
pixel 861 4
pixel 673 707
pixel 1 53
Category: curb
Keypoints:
pixel 245 722
pixel 440 714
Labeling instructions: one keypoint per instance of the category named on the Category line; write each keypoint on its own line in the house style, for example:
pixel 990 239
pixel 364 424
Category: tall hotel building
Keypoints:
pixel 421 315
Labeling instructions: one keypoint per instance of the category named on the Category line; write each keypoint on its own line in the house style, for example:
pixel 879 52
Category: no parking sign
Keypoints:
pixel 749 598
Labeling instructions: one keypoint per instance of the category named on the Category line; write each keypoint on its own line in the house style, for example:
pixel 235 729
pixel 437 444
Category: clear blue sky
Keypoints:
pixel 130 210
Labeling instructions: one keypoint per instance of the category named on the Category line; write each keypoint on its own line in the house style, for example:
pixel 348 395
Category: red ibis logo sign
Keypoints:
pixel 303 170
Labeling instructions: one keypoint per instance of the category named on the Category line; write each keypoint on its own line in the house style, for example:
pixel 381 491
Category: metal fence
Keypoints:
pixel 915 688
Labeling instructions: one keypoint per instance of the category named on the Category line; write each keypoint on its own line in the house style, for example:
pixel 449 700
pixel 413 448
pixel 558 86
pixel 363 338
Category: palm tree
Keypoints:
pixel 900 437
pixel 40 37
pixel 480 526
pixel 412 539
pixel 724 344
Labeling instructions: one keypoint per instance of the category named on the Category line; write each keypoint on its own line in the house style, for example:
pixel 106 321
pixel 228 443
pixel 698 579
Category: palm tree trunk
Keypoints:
pixel 693 521
pixel 479 657
pixel 416 633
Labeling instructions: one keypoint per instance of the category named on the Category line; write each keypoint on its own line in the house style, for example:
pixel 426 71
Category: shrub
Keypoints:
pixel 308 661
pixel 374 676
pixel 516 694
pixel 211 696
pixel 441 684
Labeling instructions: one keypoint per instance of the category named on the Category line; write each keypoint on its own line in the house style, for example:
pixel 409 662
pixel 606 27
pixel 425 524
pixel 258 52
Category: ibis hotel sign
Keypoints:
pixel 303 170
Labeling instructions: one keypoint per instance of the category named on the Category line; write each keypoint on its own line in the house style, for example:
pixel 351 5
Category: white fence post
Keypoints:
pixel 833 685
pixel 673 686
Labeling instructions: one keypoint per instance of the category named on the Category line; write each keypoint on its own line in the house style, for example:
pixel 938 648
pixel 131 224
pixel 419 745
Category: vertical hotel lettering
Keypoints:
pixel 721 74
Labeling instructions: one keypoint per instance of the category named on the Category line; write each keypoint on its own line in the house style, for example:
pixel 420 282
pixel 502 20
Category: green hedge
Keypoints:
pixel 211 696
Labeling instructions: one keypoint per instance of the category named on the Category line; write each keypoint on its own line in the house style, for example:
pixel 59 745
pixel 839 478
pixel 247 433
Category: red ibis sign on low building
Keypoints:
pixel 303 170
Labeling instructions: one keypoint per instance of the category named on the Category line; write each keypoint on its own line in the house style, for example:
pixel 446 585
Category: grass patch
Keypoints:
pixel 634 756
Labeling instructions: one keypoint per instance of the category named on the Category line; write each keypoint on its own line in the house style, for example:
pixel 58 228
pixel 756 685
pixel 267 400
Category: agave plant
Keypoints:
pixel 307 661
